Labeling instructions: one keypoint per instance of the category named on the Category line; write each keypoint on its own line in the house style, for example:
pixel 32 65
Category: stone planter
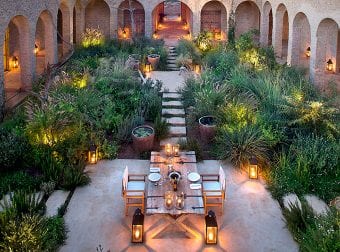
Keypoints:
pixel 154 59
pixel 143 138
pixel 207 127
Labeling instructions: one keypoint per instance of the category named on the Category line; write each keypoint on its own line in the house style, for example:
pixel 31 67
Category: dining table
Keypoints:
pixel 184 164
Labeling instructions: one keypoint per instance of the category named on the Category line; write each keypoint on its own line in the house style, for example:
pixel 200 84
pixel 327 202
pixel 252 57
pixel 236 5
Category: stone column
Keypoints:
pixel 196 23
pixel 277 33
pixel 290 43
pixel 2 81
pixel 264 27
pixel 113 22
pixel 148 22
pixel 313 46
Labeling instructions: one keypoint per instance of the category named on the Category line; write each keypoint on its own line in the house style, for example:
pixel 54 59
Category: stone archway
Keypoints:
pixel 301 40
pixel 214 19
pixel 17 58
pixel 45 42
pixel 247 17
pixel 97 15
pixel 267 25
pixel 281 32
pixel 125 22
pixel 64 29
pixel 327 45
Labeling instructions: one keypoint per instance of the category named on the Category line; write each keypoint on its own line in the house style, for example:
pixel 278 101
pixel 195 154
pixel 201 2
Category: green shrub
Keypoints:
pixel 187 47
pixel 55 235
pixel 192 145
pixel 74 176
pixel 161 128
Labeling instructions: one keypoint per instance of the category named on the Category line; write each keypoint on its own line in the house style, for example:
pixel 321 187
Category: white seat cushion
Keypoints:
pixel 212 186
pixel 135 185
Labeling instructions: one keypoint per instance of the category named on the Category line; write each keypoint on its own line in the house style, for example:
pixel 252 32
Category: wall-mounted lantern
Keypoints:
pixel 36 49
pixel 308 52
pixel 329 66
pixel 15 62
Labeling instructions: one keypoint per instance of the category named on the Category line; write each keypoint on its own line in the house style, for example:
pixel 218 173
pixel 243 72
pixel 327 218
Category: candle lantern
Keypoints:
pixel 308 51
pixel 253 168
pixel 124 33
pixel 329 65
pixel 176 150
pixel 210 228
pixel 168 149
pixel 36 49
pixel 180 201
pixel 93 154
pixel 197 68
pixel 169 200
pixel 137 226
pixel 148 67
pixel 15 62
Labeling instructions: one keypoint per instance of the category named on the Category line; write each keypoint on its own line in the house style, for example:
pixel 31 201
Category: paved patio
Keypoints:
pixel 252 220
pixel 171 79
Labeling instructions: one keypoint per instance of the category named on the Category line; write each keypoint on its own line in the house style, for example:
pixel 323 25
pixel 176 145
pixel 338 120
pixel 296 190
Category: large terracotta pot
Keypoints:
pixel 207 127
pixel 143 137
pixel 154 59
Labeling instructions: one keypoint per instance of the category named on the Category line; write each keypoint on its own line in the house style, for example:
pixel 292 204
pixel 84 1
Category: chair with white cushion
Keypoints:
pixel 133 190
pixel 213 189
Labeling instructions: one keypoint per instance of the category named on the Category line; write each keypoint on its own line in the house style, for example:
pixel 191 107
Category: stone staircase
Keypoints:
pixel 173 112
pixel 171 60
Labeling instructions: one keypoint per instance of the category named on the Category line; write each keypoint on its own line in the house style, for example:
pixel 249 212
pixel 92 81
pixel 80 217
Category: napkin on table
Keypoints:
pixel 155 169
pixel 195 186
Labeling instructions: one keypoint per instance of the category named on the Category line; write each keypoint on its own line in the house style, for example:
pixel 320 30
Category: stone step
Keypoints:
pixel 171 61
pixel 55 201
pixel 172 65
pixel 172 140
pixel 173 111
pixel 177 131
pixel 177 121
pixel 172 104
pixel 172 95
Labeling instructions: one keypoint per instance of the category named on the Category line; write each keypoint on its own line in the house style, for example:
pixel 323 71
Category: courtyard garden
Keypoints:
pixel 258 109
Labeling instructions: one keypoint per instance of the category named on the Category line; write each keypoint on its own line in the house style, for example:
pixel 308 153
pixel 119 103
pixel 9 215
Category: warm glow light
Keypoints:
pixel 36 49
pixel 252 173
pixel 15 62
pixel 168 149
pixel 308 52
pixel 176 150
pixel 148 67
pixel 210 235
pixel 329 65
pixel 253 168
pixel 137 226
pixel 211 228
pixel 93 154
pixel 137 233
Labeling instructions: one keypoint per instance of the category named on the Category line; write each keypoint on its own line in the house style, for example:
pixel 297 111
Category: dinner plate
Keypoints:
pixel 193 177
pixel 154 177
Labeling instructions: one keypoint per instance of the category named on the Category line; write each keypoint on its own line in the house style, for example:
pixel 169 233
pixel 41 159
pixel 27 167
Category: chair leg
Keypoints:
pixel 126 207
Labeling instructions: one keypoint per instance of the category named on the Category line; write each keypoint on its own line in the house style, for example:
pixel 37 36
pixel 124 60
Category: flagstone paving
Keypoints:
pixel 252 220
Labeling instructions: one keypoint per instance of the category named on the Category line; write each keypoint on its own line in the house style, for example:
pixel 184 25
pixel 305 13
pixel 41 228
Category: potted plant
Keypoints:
pixel 153 58
pixel 143 137
pixel 207 127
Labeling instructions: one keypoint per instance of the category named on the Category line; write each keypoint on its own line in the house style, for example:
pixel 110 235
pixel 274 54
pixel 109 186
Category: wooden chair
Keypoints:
pixel 133 190
pixel 213 190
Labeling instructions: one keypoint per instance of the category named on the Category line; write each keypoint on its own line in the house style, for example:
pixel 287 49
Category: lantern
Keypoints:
pixel 169 200
pixel 180 201
pixel 36 49
pixel 137 226
pixel 168 149
pixel 124 33
pixel 186 26
pixel 329 65
pixel 308 51
pixel 155 35
pixel 253 168
pixel 15 62
pixel 148 67
pixel 93 154
pixel 197 68
pixel 210 228
pixel 176 150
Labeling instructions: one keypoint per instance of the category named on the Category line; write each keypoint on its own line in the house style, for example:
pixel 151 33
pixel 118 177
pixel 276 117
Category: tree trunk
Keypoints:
pixel 132 18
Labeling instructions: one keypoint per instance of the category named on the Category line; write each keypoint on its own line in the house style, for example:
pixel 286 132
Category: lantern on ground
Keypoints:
pixel 253 168
pixel 197 68
pixel 15 62
pixel 36 49
pixel 148 67
pixel 168 149
pixel 137 226
pixel 329 65
pixel 176 150
pixel 93 154
pixel 308 52
pixel 211 228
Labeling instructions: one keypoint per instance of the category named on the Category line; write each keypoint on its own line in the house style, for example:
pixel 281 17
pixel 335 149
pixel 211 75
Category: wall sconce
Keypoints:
pixel 155 35
pixel 168 149
pixel 329 65
pixel 93 154
pixel 36 49
pixel 137 226
pixel 15 62
pixel 124 33
pixel 176 150
pixel 211 228
pixel 253 168
pixel 308 51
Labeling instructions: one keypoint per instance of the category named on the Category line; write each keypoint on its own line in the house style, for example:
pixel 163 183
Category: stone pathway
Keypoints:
pixel 173 112
pixel 252 220
pixel 171 61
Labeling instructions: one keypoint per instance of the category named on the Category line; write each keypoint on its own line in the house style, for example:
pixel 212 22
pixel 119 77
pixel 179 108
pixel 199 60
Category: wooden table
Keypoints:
pixel 184 164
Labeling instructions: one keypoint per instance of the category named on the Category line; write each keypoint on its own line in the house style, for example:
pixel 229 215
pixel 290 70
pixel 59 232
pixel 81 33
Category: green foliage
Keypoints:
pixel 311 164
pixel 55 235
pixel 18 180
pixel 161 128
pixel 188 48
pixel 222 63
pixel 204 41
pixel 74 176
pixel 314 233
pixel 192 145
pixel 92 37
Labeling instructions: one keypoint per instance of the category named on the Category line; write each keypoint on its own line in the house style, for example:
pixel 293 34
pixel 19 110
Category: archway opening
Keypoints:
pixel 214 19
pixel 172 20
pixel 17 63
pixel 131 19
pixel 44 42
pixel 64 30
pixel 282 33
pixel 60 33
pixel 97 15
pixel 301 39
pixel 247 17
